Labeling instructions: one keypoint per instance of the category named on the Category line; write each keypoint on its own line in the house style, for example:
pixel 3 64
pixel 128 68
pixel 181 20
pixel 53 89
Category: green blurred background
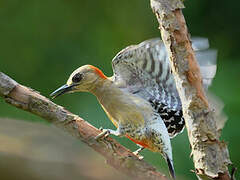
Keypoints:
pixel 42 42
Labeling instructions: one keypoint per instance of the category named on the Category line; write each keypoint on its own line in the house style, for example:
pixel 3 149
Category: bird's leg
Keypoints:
pixel 138 151
pixel 106 132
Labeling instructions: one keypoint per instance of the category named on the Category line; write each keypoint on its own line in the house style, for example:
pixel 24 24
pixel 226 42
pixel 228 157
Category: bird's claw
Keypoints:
pixel 136 153
pixel 105 133
pixel 140 157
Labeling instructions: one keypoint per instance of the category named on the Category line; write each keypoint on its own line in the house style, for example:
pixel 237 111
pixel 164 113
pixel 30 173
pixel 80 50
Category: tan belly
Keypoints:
pixel 129 114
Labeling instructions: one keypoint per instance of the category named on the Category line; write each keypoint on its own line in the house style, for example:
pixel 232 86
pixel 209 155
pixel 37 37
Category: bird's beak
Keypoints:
pixel 62 90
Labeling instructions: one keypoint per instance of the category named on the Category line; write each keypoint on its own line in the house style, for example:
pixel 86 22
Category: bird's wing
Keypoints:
pixel 144 70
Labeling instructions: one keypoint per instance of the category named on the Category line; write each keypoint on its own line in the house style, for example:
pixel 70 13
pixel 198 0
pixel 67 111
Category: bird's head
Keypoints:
pixel 83 79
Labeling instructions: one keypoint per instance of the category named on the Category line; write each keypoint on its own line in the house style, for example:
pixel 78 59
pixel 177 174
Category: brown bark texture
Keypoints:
pixel 115 154
pixel 210 155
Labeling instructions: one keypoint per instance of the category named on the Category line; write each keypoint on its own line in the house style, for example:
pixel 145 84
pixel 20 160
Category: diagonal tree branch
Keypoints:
pixel 116 155
pixel 210 155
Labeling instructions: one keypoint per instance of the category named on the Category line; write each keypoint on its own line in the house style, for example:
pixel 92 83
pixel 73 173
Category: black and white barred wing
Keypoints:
pixel 144 70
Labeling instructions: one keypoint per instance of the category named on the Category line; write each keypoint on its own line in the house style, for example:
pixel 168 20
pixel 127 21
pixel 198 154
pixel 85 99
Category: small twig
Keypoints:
pixel 116 155
pixel 210 155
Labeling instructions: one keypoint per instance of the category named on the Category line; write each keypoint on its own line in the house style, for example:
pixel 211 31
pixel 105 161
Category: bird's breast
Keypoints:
pixel 126 109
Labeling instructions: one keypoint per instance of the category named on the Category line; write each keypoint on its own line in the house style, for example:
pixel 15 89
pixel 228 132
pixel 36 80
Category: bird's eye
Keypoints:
pixel 77 77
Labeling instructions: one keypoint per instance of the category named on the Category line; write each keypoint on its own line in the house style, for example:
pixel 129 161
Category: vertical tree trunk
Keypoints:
pixel 210 155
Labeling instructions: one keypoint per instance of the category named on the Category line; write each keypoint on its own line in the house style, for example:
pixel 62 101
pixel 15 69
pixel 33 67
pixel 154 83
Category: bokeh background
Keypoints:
pixel 42 42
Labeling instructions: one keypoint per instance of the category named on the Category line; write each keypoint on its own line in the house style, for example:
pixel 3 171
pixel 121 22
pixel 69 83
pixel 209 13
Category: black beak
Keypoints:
pixel 62 90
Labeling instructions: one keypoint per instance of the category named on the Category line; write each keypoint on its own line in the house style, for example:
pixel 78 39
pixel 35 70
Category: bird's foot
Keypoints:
pixel 139 156
pixel 136 153
pixel 106 132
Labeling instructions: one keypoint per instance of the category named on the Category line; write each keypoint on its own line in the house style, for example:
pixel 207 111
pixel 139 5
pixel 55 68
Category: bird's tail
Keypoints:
pixel 207 59
pixel 170 167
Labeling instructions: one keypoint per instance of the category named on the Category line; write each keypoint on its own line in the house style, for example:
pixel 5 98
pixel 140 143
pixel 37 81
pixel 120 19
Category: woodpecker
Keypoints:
pixel 141 98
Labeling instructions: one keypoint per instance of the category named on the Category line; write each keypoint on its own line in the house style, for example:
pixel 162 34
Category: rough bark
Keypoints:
pixel 210 155
pixel 115 154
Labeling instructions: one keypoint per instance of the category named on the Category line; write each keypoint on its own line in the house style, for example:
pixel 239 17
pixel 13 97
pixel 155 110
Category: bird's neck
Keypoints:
pixel 102 88
pixel 107 93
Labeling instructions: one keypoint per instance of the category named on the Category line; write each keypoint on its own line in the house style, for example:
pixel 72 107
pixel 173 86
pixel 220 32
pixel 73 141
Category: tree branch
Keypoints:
pixel 210 155
pixel 116 155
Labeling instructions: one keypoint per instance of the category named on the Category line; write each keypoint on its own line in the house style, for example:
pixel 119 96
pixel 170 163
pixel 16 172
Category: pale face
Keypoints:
pixel 82 79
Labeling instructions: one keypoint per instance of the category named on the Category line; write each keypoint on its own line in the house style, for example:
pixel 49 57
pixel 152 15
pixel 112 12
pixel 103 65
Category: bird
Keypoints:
pixel 141 98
